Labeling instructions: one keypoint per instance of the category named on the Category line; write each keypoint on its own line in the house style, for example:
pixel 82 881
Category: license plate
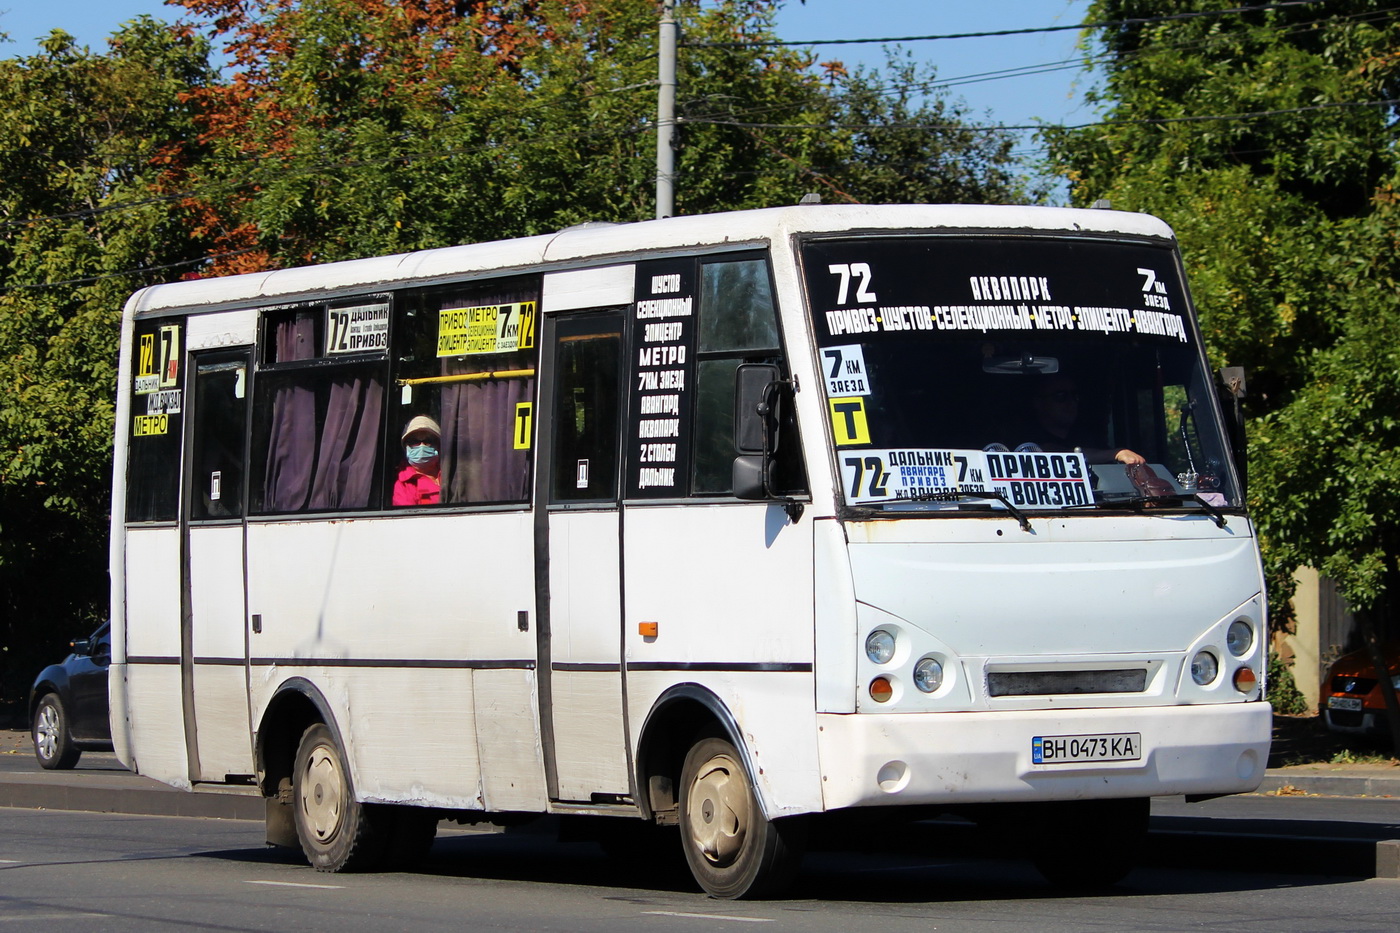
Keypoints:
pixel 1347 703
pixel 1071 749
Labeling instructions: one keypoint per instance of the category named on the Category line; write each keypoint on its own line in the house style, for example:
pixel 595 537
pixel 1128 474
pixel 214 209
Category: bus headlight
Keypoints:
pixel 1204 668
pixel 879 646
pixel 1240 638
pixel 928 675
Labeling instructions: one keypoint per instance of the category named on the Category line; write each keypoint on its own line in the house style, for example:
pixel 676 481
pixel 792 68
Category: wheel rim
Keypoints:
pixel 323 793
pixel 46 731
pixel 719 811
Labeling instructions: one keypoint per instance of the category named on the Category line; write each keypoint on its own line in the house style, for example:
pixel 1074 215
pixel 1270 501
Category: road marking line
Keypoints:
pixel 298 884
pixel 677 913
pixel 9 861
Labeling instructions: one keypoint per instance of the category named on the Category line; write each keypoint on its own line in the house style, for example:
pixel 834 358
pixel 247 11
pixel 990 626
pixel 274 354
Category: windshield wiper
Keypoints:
pixel 1139 503
pixel 955 495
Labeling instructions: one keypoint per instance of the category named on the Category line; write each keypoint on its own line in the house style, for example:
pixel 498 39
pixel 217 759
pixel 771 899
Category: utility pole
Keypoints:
pixel 666 113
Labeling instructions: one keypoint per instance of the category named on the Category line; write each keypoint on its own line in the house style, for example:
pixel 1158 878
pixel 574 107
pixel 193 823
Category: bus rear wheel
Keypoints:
pixel 337 833
pixel 733 850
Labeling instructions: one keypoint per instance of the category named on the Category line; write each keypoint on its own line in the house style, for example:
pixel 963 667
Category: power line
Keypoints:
pixel 1000 128
pixel 1134 21
pixel 88 280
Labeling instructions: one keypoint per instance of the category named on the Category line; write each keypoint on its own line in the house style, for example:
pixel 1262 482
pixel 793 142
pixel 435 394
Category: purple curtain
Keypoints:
pixel 480 462
pixel 349 439
pixel 332 470
pixel 291 448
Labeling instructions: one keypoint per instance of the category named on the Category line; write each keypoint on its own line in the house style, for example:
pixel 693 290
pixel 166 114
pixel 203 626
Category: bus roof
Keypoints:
pixel 589 243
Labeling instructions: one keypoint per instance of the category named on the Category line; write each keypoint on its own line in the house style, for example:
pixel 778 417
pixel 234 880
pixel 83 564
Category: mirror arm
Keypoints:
pixel 791 506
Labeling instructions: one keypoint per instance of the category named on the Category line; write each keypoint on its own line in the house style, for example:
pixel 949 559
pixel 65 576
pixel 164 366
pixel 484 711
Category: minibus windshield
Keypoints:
pixel 1050 372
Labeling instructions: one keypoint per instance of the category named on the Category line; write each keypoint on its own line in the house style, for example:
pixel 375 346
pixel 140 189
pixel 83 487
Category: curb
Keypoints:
pixel 125 794
pixel 1283 783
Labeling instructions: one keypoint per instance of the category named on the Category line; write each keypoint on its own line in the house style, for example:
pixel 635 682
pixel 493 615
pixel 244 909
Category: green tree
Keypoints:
pixel 363 127
pixel 1268 140
pixel 83 137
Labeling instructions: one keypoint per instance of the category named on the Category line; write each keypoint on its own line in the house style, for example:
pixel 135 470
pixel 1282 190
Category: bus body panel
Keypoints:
pixel 219 691
pixel 585 654
pixel 725 584
pixel 777 723
pixel 1127 593
pixel 837 641
pixel 401 612
pixel 150 660
pixel 729 588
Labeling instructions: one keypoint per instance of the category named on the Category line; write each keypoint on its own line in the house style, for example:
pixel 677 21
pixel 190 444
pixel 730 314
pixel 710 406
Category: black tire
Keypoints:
pixel 336 832
pixel 53 746
pixel 1086 845
pixel 733 850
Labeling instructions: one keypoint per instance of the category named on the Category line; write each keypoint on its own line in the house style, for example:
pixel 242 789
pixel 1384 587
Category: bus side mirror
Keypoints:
pixel 755 425
pixel 754 421
pixel 1231 389
pixel 748 478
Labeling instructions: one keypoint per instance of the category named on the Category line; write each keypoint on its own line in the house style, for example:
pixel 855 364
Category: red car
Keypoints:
pixel 1351 695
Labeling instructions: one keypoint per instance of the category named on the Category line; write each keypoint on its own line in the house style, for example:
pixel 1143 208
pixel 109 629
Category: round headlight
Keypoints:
pixel 1204 668
pixel 879 646
pixel 928 675
pixel 1240 638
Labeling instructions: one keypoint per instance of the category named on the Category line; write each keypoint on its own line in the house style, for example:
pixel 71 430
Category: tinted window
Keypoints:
pixel 465 360
pixel 157 406
pixel 319 407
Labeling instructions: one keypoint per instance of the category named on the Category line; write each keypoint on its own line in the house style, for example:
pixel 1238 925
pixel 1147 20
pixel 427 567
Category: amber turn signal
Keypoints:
pixel 1245 681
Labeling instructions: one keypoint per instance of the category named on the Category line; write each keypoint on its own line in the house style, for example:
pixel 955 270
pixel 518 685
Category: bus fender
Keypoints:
pixel 295 706
pixel 679 716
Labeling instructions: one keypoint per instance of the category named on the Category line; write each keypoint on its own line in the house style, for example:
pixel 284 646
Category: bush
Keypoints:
pixel 1283 692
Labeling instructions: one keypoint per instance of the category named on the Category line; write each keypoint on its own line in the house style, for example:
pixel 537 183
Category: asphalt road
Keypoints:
pixel 66 870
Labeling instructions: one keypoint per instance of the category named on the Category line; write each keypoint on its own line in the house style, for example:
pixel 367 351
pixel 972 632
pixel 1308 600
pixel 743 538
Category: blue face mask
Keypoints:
pixel 421 454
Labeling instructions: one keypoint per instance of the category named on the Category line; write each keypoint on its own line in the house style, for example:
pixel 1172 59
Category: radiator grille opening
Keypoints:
pixel 1051 683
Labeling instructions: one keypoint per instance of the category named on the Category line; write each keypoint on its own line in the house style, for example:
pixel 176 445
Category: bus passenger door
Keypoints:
pixel 213 631
pixel 578 540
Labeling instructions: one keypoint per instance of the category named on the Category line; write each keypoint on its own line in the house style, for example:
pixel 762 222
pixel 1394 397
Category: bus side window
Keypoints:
pixel 465 357
pixel 320 423
pixel 153 452
pixel 738 324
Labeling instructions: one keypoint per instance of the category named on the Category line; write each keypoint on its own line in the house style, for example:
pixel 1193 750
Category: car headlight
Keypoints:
pixel 1204 668
pixel 1240 638
pixel 928 675
pixel 879 646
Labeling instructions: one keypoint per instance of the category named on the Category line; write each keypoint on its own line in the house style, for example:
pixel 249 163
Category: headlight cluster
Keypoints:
pixel 882 647
pixel 1239 641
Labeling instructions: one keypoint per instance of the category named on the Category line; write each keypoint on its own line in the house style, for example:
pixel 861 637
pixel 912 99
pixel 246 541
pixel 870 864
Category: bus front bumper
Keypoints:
pixel 909 759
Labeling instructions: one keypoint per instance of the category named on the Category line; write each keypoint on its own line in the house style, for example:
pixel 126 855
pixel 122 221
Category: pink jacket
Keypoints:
pixel 414 488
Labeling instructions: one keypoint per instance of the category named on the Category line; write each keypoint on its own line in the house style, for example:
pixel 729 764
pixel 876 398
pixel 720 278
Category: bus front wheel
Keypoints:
pixel 336 832
pixel 733 850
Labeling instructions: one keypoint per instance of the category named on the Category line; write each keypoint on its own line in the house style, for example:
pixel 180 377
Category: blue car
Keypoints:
pixel 68 703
